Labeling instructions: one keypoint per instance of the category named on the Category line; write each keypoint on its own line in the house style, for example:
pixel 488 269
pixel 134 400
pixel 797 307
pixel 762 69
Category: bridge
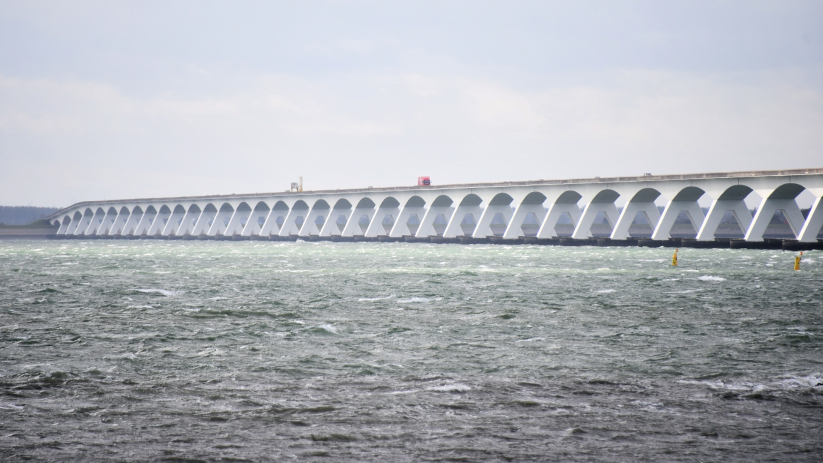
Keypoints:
pixel 536 210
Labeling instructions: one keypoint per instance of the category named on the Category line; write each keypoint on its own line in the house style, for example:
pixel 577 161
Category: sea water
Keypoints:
pixel 187 351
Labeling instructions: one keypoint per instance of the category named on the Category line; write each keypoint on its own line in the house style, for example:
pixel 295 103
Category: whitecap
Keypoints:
pixel 710 278
pixel 413 299
pixel 160 291
pixel 371 299
pixel 139 307
pixel 456 387
pixel 328 328
pixel 605 291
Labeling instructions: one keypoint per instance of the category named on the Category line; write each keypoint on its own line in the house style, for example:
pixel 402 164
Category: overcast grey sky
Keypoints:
pixel 104 100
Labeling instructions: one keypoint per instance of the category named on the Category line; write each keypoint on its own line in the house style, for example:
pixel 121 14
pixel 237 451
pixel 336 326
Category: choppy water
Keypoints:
pixel 407 352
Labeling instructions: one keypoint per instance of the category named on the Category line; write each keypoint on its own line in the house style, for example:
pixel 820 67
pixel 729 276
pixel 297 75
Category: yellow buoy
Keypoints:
pixel 797 261
pixel 674 258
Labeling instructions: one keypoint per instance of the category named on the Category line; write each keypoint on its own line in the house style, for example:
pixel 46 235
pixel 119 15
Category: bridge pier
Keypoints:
pixel 715 215
pixel 630 210
pixel 765 213
pixel 813 223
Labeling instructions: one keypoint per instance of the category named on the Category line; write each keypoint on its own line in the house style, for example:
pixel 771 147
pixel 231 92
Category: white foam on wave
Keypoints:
pixel 456 387
pixel 414 299
pixel 372 299
pixel 160 291
pixel 603 291
pixel 710 278
pixel 328 328
pixel 139 307
pixel 409 391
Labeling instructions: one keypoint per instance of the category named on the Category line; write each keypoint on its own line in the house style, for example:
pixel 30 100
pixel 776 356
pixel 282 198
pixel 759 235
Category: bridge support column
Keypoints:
pixel 253 226
pixel 95 222
pixel 811 228
pixel 119 223
pixel 105 224
pixel 581 231
pixel 624 222
pixel 64 226
pixel 403 217
pixel 290 221
pixel 76 220
pixel 376 225
pixel 483 228
pixel 217 225
pixel 553 215
pixel 270 226
pixel 663 229
pixel 353 223
pixel 766 211
pixel 202 226
pixel 235 225
pixel 453 229
pixel 145 222
pixel 427 224
pixel 84 223
pixel 188 223
pixel 715 215
pixel 311 218
pixel 172 226
pixel 160 222
pixel 330 226
pixel 513 230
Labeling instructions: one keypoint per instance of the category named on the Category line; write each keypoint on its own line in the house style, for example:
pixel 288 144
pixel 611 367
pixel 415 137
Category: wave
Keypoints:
pixel 372 299
pixel 710 278
pixel 456 387
pixel 160 291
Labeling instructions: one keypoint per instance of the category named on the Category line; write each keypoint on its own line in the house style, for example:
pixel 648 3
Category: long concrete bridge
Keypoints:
pixel 503 210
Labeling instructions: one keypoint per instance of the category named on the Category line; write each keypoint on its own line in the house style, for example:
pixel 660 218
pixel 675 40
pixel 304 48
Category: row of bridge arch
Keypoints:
pixel 507 212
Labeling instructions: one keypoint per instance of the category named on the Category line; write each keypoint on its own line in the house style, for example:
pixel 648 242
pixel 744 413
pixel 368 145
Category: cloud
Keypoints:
pixel 86 140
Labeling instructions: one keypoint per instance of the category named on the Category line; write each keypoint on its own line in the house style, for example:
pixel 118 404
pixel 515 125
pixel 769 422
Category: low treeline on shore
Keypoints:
pixel 28 216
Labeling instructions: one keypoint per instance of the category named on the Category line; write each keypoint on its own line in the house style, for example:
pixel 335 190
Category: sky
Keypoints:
pixel 108 100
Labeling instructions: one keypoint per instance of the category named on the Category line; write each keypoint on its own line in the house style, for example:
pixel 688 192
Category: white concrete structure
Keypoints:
pixel 448 209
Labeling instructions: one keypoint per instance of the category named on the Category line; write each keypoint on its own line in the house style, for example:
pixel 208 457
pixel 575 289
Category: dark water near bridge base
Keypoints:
pixel 186 351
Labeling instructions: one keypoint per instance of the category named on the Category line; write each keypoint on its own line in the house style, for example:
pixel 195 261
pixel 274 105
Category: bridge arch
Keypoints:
pixel 501 199
pixel 244 207
pixel 646 195
pixel 442 201
pixel 735 193
pixel 390 202
pixel 605 196
pixel 194 209
pixel 690 193
pixel 280 206
pixel 787 191
pixel 179 209
pixel 366 203
pixel 535 197
pixel 415 201
pixel 471 200
pixel 342 203
pixel 321 204
pixel 569 197
pixel 261 206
